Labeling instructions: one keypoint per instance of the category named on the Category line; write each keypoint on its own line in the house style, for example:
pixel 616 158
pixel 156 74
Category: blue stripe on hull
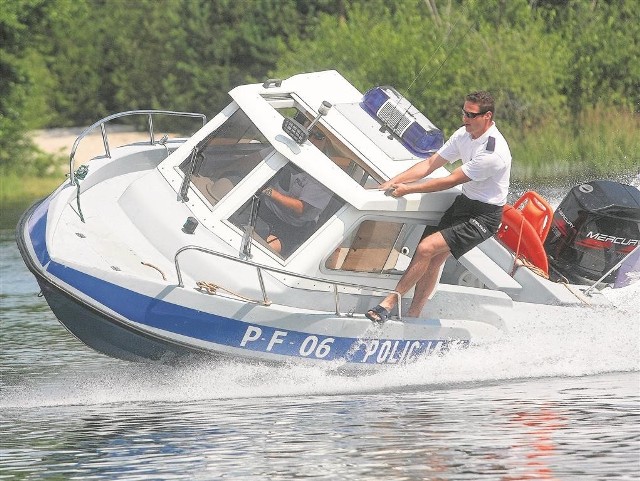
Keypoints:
pixel 37 231
pixel 201 326
pixel 102 334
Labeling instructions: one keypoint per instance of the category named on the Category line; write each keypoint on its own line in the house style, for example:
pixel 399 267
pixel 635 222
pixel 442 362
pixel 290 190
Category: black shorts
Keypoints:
pixel 467 223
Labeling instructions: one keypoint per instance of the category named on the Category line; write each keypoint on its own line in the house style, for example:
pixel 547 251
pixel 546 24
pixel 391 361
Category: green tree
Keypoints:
pixel 17 20
pixel 70 62
pixel 435 61
pixel 605 65
pixel 77 57
pixel 220 45
pixel 171 54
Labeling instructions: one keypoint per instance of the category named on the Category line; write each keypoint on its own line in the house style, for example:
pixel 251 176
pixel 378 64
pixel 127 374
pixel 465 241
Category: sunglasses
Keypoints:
pixel 472 115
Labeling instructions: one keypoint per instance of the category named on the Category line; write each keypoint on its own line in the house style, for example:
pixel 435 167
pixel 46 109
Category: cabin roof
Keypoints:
pixel 360 132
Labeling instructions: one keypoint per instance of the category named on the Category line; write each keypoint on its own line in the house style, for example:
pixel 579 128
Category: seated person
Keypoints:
pixel 290 210
pixel 291 207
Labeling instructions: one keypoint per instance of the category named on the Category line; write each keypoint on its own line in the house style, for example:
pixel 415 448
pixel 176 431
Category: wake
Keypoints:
pixel 541 341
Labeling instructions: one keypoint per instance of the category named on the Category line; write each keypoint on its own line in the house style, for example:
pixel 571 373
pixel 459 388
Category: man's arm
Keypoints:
pixel 456 177
pixel 296 205
pixel 418 171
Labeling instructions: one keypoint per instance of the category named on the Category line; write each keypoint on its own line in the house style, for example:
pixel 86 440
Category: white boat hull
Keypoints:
pixel 139 326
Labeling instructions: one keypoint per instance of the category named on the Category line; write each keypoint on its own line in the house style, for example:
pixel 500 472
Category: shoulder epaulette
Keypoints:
pixel 491 144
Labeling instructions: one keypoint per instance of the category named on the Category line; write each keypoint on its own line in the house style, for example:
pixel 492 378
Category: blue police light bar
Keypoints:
pixel 415 131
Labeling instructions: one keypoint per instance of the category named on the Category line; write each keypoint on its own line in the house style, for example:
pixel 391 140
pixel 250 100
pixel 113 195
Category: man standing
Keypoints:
pixel 473 217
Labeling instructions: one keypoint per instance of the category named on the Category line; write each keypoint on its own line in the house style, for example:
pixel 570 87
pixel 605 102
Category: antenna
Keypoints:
pixel 446 37
pixel 323 110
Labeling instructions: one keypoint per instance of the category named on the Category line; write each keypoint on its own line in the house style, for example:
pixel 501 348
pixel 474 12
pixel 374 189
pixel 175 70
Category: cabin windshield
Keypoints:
pixel 288 209
pixel 292 205
pixel 235 148
pixel 230 153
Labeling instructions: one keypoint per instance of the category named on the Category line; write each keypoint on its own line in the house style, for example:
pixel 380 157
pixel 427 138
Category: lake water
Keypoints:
pixel 558 399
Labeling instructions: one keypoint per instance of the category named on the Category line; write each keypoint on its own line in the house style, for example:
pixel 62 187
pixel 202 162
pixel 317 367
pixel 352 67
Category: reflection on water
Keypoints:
pixel 476 432
pixel 11 211
pixel 555 401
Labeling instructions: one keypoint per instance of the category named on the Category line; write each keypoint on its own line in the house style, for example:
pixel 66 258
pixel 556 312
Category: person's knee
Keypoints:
pixel 426 250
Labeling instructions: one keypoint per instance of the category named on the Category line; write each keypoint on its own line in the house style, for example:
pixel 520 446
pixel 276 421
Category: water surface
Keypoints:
pixel 558 399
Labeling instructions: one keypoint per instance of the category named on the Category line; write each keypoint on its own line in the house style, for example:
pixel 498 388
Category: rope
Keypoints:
pixel 577 294
pixel 211 288
pixel 522 261
pixel 79 175
pixel 515 259
pixel 164 278
pixel 532 267
pixel 536 270
pixel 78 201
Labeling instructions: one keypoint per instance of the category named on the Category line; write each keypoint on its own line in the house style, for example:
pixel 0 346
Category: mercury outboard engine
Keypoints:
pixel 595 226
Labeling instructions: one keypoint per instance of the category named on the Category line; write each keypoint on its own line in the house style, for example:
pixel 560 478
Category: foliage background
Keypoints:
pixel 566 74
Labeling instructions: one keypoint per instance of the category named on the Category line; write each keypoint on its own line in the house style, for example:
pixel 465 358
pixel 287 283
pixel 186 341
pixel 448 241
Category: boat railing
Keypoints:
pixel 261 267
pixel 105 138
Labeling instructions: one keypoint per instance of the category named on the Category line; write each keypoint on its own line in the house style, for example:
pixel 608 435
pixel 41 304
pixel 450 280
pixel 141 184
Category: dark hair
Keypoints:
pixel 483 99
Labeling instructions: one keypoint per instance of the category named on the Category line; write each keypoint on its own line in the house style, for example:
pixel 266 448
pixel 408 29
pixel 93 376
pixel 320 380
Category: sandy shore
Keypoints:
pixel 60 141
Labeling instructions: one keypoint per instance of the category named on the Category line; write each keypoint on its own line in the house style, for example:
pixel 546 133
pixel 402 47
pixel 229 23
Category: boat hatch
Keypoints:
pixel 377 246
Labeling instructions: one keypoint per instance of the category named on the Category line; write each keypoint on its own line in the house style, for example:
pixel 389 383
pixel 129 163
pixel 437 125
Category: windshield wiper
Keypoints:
pixel 196 156
pixel 184 187
pixel 245 245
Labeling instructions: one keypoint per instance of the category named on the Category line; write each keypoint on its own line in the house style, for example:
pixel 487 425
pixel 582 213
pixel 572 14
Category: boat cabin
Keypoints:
pixel 351 144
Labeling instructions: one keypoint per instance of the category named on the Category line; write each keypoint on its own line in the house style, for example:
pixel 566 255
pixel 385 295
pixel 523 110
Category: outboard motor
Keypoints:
pixel 595 226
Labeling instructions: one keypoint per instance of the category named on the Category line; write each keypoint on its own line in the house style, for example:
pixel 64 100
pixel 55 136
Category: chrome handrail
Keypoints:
pixel 261 267
pixel 617 266
pixel 105 140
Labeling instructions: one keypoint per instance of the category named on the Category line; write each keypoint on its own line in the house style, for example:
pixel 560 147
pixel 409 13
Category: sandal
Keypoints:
pixel 377 314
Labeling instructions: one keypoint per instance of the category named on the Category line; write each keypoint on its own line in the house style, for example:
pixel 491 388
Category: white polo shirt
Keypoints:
pixel 485 160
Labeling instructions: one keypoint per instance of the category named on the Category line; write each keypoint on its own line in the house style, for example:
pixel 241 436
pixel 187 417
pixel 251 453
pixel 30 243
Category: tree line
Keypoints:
pixel 71 62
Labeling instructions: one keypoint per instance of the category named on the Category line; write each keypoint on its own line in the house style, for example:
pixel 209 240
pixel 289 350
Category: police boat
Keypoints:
pixel 162 249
